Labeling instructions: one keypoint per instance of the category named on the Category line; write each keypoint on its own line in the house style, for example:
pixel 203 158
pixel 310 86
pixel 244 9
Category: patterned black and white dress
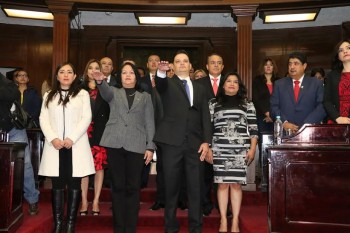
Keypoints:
pixel 234 126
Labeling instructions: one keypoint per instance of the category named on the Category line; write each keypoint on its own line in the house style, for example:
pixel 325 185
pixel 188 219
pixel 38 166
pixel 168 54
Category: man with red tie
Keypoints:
pixel 297 99
pixel 215 65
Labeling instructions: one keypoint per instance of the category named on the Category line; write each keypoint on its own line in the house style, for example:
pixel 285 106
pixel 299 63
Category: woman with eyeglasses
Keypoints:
pixel 337 88
pixel 29 99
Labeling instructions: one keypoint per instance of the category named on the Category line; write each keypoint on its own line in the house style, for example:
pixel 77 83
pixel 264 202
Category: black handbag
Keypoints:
pixel 20 118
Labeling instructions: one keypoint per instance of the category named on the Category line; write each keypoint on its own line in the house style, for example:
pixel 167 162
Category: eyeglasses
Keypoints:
pixel 341 50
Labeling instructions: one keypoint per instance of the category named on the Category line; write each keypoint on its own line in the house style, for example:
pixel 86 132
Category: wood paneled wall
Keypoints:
pixel 278 44
pixel 112 40
pixel 31 47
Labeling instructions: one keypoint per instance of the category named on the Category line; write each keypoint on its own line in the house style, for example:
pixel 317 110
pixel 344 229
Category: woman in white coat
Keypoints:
pixel 64 119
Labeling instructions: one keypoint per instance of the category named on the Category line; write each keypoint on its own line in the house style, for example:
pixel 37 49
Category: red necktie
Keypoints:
pixel 296 90
pixel 152 81
pixel 215 85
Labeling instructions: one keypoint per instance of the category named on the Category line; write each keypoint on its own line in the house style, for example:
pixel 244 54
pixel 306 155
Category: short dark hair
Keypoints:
pixel 319 70
pixel 298 55
pixel 214 54
pixel 181 51
pixel 134 68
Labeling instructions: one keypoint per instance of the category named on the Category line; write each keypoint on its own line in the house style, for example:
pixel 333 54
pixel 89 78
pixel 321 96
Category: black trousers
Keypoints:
pixel 125 169
pixel 160 194
pixel 207 183
pixel 175 158
pixel 65 178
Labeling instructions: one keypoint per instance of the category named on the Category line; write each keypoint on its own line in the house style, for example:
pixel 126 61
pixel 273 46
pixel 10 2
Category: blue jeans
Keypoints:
pixel 31 194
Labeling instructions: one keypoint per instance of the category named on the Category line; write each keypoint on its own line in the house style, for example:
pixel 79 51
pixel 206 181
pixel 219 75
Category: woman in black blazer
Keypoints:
pixel 100 115
pixel 337 88
pixel 262 90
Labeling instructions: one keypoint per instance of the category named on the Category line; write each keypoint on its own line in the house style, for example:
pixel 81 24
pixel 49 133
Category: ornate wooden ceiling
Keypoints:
pixel 180 5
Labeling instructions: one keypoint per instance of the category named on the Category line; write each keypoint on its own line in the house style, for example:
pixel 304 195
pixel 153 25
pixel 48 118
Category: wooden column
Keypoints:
pixel 244 15
pixel 346 30
pixel 61 30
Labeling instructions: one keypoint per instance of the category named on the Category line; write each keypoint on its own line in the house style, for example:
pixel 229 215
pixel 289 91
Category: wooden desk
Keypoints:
pixel 309 183
pixel 11 185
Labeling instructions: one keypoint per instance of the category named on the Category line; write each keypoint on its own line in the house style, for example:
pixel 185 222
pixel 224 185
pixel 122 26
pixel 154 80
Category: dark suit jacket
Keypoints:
pixel 146 84
pixel 309 107
pixel 181 120
pixel 8 93
pixel 146 80
pixel 206 83
pixel 331 95
pixel 100 116
pixel 113 81
pixel 261 96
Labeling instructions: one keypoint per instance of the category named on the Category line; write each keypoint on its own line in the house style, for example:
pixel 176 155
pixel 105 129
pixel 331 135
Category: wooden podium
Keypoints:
pixel 11 185
pixel 309 181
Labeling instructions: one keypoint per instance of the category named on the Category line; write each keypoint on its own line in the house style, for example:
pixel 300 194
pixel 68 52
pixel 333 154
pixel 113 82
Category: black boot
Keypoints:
pixel 57 209
pixel 72 209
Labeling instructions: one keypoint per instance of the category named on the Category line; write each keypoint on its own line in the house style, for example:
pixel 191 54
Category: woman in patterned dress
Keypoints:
pixel 337 86
pixel 100 115
pixel 234 143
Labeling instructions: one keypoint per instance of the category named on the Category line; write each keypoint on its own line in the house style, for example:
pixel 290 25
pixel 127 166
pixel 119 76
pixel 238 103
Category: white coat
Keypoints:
pixel 61 122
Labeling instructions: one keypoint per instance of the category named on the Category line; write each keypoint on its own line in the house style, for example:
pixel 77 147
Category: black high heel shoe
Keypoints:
pixel 83 213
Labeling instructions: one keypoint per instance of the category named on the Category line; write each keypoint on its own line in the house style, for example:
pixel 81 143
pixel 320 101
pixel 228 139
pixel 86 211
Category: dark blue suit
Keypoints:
pixel 308 108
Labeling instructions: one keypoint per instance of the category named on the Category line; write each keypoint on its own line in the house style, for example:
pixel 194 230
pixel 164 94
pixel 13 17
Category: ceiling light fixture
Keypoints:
pixel 289 16
pixel 27 12
pixel 162 18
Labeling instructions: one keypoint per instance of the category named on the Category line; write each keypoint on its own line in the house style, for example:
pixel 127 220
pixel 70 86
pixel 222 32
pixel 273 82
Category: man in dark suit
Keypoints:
pixel 297 99
pixel 107 69
pixel 215 65
pixel 149 83
pixel 184 134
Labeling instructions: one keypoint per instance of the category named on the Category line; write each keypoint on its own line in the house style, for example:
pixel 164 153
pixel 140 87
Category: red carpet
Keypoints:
pixel 253 217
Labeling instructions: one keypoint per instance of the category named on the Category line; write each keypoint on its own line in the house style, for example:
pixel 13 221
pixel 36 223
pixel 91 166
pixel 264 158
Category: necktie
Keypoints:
pixel 215 85
pixel 187 88
pixel 296 90
pixel 152 81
